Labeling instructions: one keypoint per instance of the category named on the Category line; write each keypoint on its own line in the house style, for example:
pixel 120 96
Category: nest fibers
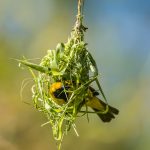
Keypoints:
pixel 72 65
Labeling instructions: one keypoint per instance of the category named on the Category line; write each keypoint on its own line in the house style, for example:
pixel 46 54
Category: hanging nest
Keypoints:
pixel 72 67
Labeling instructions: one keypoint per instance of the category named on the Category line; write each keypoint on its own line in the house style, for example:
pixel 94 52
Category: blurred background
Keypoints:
pixel 118 38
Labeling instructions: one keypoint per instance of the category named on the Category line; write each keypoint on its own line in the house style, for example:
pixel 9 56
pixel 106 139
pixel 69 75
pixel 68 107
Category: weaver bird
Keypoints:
pixel 58 94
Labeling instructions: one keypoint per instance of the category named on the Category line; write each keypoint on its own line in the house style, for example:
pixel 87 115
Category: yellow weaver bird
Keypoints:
pixel 58 94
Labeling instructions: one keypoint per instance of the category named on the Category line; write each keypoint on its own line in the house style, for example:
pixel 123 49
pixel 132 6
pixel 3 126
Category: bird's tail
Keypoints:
pixel 108 116
pixel 101 106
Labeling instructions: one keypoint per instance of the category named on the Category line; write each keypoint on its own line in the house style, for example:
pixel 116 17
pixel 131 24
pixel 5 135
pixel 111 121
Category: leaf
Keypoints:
pixel 35 66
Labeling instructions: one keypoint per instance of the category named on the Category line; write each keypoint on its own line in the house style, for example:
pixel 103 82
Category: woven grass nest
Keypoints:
pixel 71 65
